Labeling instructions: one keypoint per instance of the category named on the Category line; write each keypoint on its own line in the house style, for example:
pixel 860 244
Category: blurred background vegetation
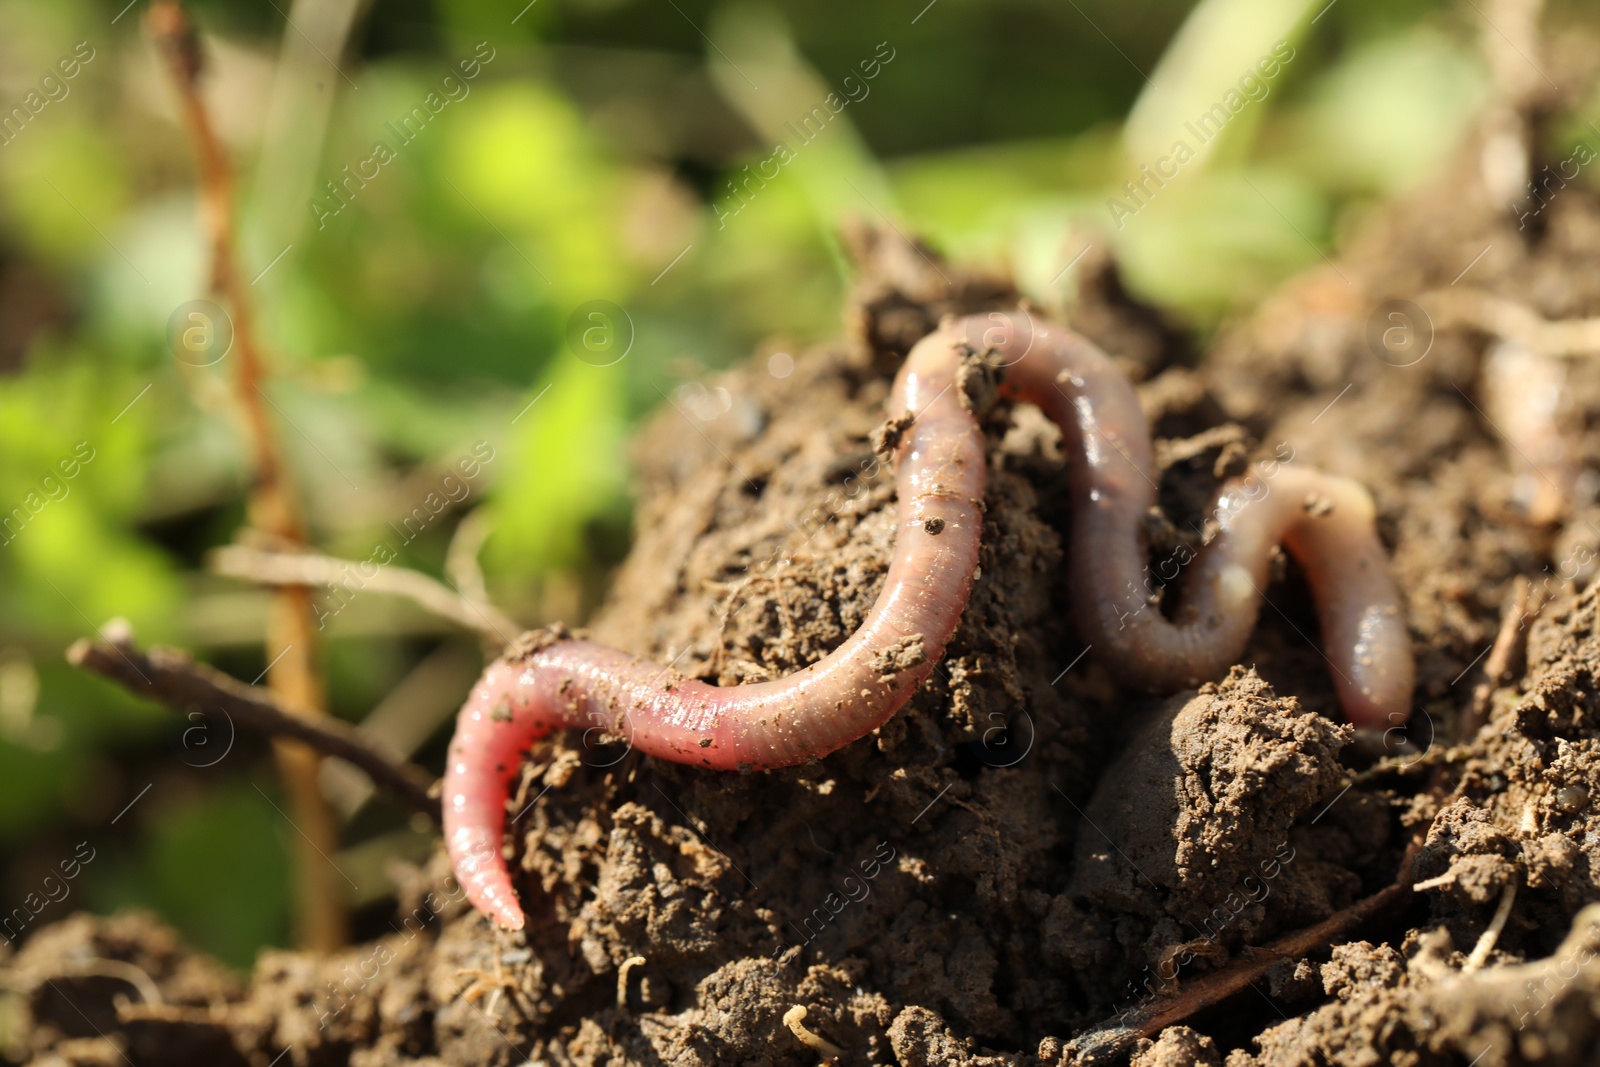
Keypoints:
pixel 589 159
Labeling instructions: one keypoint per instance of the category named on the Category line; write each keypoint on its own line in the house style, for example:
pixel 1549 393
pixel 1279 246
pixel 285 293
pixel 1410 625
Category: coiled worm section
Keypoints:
pixel 1326 522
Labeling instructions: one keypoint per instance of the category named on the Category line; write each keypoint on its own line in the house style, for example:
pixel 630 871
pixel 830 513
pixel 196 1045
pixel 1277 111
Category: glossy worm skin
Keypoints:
pixel 939 478
pixel 1325 522
pixel 940 465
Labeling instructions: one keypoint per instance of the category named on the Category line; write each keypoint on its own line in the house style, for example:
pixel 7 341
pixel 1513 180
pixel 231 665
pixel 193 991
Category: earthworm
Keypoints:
pixel 1325 522
pixel 551 681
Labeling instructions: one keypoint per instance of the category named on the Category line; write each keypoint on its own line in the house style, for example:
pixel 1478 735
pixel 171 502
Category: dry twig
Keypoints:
pixel 1150 1018
pixel 298 568
pixel 1508 643
pixel 291 637
pixel 1513 321
pixel 172 677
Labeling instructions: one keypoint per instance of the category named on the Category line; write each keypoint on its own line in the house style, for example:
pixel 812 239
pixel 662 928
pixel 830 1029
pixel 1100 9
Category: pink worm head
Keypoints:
pixel 551 682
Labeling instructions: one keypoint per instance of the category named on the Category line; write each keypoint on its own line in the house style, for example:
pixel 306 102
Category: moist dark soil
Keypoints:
pixel 1027 857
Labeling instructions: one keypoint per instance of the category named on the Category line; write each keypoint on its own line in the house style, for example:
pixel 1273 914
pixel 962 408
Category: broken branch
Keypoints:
pixel 273 505
pixel 1153 1016
pixel 172 677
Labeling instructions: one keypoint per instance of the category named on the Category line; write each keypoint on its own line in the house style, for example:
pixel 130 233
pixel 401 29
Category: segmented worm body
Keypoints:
pixel 1325 522
pixel 939 478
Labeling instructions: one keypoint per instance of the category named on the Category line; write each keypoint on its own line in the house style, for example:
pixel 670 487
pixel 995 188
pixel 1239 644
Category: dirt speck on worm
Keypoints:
pixel 900 656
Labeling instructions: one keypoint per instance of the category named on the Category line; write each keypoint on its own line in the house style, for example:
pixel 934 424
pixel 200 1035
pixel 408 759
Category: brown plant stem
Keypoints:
pixel 292 643
pixel 1114 1036
pixel 173 678
pixel 1508 645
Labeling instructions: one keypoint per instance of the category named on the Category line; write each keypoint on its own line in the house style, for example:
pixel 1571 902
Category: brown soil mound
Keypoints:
pixel 1025 853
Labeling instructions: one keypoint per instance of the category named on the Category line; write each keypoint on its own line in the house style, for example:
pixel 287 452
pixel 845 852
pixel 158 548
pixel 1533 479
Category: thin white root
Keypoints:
pixel 795 1020
pixel 1529 824
pixel 127 972
pixel 313 570
pixel 1434 883
pixel 622 978
pixel 1485 945
pixel 1508 643
pixel 1513 321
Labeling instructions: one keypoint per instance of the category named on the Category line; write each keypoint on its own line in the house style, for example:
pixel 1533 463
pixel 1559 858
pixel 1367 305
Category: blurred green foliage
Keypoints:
pixel 433 309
